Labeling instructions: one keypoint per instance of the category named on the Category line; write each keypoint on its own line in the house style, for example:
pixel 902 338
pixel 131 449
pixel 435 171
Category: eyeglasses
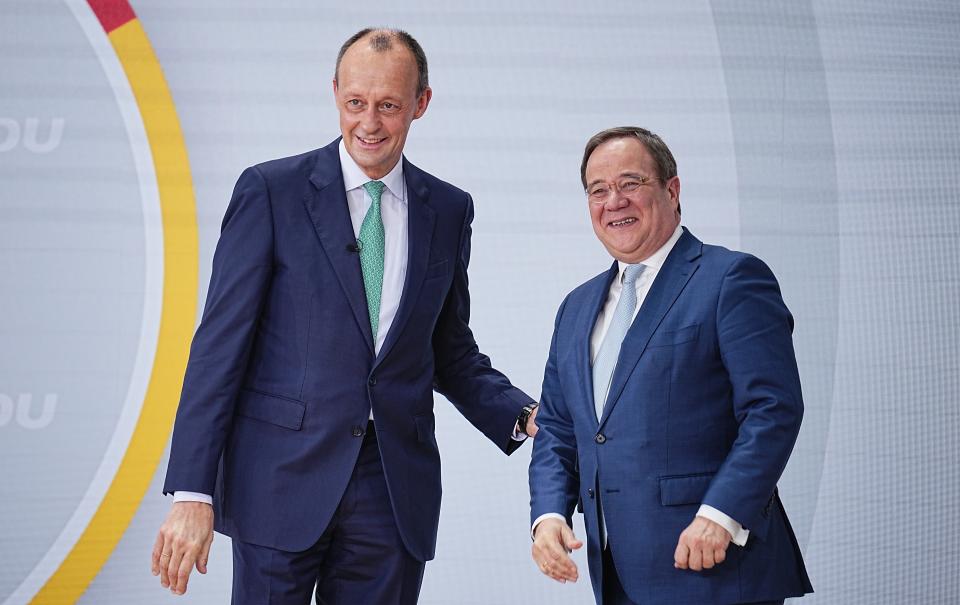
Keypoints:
pixel 598 193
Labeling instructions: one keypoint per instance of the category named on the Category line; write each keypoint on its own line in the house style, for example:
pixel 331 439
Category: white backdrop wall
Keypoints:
pixel 822 136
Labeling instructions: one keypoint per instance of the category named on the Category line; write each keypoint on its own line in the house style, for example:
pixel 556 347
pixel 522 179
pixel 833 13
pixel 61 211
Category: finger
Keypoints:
pixel 554 555
pixel 165 568
pixel 550 570
pixel 565 568
pixel 543 557
pixel 545 569
pixel 696 558
pixel 544 566
pixel 561 563
pixel 720 555
pixel 681 555
pixel 155 555
pixel 204 556
pixel 183 572
pixel 173 569
pixel 707 558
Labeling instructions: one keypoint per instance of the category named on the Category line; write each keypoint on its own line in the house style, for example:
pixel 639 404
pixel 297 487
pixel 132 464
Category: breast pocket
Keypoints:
pixel 670 338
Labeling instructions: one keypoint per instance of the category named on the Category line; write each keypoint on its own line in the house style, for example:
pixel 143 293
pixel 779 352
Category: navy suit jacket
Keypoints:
pixel 282 373
pixel 704 407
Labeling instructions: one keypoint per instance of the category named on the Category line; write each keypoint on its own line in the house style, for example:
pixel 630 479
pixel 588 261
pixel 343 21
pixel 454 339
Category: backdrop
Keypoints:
pixel 822 136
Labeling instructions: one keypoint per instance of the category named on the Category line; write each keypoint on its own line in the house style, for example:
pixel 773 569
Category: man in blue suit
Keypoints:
pixel 337 304
pixel 671 403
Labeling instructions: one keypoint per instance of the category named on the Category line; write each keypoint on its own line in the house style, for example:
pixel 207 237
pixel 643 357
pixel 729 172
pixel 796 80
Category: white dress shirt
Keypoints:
pixel 643 283
pixel 393 211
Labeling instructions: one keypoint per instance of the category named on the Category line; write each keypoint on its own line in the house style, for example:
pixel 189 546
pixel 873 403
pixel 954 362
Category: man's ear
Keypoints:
pixel 673 189
pixel 423 101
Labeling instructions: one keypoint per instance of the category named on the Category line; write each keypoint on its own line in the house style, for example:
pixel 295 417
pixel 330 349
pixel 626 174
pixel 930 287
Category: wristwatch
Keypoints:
pixel 525 415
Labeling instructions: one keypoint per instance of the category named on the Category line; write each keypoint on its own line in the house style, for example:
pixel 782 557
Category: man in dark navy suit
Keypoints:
pixel 671 403
pixel 338 303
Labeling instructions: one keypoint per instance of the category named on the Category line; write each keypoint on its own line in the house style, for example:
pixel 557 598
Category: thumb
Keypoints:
pixel 569 539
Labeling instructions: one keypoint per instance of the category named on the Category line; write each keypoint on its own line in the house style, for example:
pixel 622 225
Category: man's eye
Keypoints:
pixel 598 192
pixel 353 103
pixel 628 186
pixel 389 106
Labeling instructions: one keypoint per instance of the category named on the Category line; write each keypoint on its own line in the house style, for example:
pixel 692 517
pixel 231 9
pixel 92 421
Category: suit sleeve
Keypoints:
pixel 554 477
pixel 242 266
pixel 463 374
pixel 754 330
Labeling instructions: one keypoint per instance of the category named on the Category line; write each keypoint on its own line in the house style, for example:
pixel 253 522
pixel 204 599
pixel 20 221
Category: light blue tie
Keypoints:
pixel 609 353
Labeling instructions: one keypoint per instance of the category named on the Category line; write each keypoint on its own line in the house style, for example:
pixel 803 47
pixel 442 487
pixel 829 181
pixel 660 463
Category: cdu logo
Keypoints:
pixel 14 133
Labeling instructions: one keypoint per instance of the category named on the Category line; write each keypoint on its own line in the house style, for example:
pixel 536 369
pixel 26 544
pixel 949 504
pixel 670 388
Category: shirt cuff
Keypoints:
pixel 192 497
pixel 517 435
pixel 533 528
pixel 737 532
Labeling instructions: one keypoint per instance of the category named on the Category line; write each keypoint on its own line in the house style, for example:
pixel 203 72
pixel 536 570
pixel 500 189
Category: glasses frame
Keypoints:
pixel 623 186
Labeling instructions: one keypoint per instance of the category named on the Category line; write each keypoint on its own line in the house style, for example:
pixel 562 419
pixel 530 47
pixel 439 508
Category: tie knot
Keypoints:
pixel 375 189
pixel 632 272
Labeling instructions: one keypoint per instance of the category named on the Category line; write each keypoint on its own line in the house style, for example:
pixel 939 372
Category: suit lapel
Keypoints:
pixel 679 267
pixel 420 221
pixel 330 215
pixel 586 322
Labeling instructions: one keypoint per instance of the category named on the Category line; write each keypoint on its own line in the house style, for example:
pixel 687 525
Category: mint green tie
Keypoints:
pixel 371 254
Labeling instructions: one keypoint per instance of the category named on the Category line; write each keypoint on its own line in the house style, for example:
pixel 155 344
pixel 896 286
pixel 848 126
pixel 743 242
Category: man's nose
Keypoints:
pixel 370 120
pixel 616 200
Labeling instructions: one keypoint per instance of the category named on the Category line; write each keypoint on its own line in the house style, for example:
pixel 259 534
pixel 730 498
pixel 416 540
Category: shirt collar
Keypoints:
pixel 655 260
pixel 354 177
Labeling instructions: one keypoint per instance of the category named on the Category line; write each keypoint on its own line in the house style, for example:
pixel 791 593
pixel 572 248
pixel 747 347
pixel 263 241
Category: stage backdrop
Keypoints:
pixel 822 136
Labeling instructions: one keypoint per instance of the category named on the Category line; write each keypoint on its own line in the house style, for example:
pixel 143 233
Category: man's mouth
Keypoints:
pixel 622 222
pixel 370 141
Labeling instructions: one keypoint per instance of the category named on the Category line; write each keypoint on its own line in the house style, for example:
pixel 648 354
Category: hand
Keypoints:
pixel 532 428
pixel 702 545
pixel 553 541
pixel 183 541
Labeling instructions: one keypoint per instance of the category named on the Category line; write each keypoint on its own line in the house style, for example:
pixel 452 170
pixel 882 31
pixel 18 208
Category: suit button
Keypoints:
pixel 372 381
pixel 358 431
pixel 590 493
pixel 600 438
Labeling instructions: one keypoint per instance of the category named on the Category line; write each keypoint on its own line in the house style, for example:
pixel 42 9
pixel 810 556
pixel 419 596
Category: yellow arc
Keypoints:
pixel 180 274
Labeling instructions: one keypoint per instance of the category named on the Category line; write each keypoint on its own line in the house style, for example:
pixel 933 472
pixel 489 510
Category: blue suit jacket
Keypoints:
pixel 704 407
pixel 282 373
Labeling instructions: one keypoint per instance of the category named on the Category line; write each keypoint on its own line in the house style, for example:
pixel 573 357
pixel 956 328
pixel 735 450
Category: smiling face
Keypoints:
pixel 376 94
pixel 634 225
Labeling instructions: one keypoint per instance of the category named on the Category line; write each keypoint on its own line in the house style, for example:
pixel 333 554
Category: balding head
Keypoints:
pixel 383 40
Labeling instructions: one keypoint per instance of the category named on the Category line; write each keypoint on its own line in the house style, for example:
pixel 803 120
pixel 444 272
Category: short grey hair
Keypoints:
pixel 662 157
pixel 666 165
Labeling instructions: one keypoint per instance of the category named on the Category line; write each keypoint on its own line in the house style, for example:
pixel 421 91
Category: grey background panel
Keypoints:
pixel 823 137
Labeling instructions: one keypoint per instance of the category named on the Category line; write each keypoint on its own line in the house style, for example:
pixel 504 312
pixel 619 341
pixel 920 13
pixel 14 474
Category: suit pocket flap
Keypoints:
pixel 684 489
pixel 280 411
pixel 675 337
